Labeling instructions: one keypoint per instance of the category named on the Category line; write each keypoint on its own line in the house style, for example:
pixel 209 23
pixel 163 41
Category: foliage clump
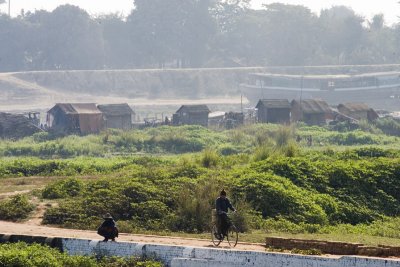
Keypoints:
pixel 35 255
pixel 16 208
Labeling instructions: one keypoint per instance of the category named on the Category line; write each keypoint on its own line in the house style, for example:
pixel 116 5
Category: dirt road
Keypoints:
pixel 28 229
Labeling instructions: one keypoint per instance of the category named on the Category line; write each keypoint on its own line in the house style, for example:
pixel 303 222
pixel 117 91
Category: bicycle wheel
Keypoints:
pixel 214 232
pixel 232 236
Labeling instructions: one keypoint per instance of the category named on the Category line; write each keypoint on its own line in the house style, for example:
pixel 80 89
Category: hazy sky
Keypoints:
pixel 367 8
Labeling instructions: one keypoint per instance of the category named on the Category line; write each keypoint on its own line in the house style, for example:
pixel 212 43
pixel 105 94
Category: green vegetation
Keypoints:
pixel 279 185
pixel 189 139
pixel 24 255
pixel 312 189
pixel 16 208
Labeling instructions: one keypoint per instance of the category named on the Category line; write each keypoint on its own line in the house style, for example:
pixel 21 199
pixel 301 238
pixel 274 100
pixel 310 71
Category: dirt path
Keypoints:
pixel 29 229
pixel 10 194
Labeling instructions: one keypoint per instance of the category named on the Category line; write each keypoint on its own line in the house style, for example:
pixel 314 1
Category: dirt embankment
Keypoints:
pixel 41 90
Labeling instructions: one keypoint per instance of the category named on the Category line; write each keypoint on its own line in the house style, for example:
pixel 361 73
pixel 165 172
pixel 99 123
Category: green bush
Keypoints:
pixel 193 206
pixel 389 126
pixel 15 208
pixel 283 136
pixel 64 188
pixel 263 152
pixel 35 255
pixel 209 158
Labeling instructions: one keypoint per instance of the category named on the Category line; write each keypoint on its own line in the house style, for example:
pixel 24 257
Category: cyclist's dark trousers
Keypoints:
pixel 223 223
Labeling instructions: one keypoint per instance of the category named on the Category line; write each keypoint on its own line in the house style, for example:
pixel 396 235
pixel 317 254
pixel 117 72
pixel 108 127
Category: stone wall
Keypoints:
pixel 178 256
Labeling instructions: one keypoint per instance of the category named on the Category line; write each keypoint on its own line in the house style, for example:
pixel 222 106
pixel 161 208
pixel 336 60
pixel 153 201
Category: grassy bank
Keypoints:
pixel 281 184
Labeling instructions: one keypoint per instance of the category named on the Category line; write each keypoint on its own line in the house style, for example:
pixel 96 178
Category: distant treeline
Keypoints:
pixel 194 33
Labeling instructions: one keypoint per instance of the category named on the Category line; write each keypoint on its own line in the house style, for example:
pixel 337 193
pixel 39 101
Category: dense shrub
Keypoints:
pixel 209 158
pixel 16 208
pixel 191 138
pixel 388 126
pixel 178 194
pixel 35 255
pixel 64 188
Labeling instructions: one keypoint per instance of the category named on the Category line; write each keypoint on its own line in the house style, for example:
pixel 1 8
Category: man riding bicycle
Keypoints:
pixel 222 204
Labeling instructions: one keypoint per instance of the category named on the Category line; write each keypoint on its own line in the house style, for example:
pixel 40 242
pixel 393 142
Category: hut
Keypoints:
pixel 192 115
pixel 118 116
pixel 82 118
pixel 311 111
pixel 273 111
pixel 358 111
pixel 15 126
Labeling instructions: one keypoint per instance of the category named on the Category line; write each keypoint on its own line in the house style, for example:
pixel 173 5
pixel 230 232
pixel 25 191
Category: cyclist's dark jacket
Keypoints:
pixel 222 204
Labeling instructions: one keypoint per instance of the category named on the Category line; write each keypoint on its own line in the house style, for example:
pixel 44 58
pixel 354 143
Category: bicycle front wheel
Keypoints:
pixel 232 236
pixel 214 235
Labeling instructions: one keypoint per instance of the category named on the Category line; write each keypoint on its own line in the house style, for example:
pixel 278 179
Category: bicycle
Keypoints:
pixel 231 237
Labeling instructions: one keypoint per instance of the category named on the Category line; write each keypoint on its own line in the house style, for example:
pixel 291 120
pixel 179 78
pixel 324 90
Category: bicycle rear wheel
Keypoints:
pixel 232 236
pixel 214 232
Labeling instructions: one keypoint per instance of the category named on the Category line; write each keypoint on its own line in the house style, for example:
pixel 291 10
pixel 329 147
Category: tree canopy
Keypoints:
pixel 194 33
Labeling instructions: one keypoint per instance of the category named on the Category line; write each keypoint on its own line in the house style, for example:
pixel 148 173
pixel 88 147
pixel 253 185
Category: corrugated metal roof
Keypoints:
pixel 355 107
pixel 274 103
pixel 313 106
pixel 78 108
pixel 194 108
pixel 116 109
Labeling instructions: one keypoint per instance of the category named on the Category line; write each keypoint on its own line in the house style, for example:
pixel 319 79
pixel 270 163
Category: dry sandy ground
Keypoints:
pixel 38 230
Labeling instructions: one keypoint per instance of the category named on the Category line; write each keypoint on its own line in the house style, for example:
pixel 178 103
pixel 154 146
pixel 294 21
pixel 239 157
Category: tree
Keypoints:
pixel 341 33
pixel 14 36
pixel 227 12
pixel 168 31
pixel 290 34
pixel 119 50
pixel 71 39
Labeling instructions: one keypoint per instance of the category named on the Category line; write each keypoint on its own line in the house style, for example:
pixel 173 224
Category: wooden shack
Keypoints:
pixel 273 111
pixel 15 126
pixel 358 111
pixel 191 115
pixel 117 116
pixel 310 111
pixel 81 118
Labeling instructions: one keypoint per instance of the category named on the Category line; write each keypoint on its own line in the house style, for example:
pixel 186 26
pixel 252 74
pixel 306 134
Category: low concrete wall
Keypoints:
pixel 178 256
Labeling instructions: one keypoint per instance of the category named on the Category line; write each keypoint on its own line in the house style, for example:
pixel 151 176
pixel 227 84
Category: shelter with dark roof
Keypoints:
pixel 192 115
pixel 273 111
pixel 310 111
pixel 358 111
pixel 15 126
pixel 117 116
pixel 82 118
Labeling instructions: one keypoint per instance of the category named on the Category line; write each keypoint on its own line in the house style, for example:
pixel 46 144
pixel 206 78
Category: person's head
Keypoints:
pixel 222 193
pixel 107 216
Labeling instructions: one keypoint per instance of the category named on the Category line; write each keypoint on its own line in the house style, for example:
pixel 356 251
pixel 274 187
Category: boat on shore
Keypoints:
pixel 380 90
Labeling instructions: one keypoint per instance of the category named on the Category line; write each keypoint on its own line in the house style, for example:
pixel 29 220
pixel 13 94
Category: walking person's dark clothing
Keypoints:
pixel 108 229
pixel 222 204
